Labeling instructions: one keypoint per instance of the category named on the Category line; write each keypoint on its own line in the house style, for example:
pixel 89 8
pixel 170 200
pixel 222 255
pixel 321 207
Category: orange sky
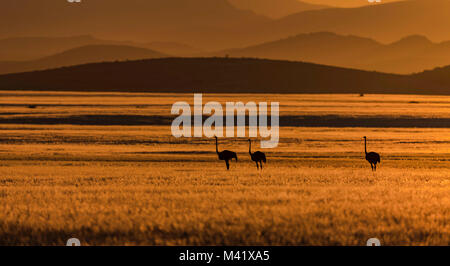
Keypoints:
pixel 345 3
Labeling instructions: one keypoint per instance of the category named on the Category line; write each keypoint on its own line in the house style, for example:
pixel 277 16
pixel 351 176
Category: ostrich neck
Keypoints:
pixel 217 147
pixel 365 146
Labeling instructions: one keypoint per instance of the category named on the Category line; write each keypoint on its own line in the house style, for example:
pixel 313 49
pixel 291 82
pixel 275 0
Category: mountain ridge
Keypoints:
pixel 207 23
pixel 81 55
pixel 275 8
pixel 226 75
pixel 34 48
pixel 385 22
pixel 410 54
pixel 216 24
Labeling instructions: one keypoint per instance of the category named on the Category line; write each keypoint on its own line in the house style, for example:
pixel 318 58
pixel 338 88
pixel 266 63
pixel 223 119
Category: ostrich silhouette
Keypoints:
pixel 225 155
pixel 372 157
pixel 257 156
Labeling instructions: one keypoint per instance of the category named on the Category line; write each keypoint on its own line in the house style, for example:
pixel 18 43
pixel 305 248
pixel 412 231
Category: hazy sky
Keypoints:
pixel 345 3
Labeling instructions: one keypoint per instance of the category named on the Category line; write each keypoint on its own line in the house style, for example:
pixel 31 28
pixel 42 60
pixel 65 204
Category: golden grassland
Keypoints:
pixel 137 185
pixel 63 103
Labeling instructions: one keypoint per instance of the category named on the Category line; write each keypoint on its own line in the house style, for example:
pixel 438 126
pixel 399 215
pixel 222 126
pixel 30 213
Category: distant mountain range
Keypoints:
pixel 82 55
pixel 220 75
pixel 411 54
pixel 368 38
pixel 383 22
pixel 172 48
pixel 30 48
pixel 275 8
pixel 203 23
pixel 216 24
pixel 33 48
pixel 349 3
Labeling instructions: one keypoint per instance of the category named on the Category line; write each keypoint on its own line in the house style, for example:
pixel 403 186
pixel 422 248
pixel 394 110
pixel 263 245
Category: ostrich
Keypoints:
pixel 372 157
pixel 225 155
pixel 257 156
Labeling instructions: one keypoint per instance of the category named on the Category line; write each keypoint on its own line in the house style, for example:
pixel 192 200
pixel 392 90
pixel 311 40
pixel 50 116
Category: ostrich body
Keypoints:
pixel 372 157
pixel 258 157
pixel 225 155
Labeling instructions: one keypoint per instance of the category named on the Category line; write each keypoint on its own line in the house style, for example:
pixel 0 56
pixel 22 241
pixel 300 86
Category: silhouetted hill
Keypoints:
pixel 322 47
pixel 82 55
pixel 216 24
pixel 225 75
pixel 172 48
pixel 383 22
pixel 350 3
pixel 411 54
pixel 31 48
pixel 205 23
pixel 275 8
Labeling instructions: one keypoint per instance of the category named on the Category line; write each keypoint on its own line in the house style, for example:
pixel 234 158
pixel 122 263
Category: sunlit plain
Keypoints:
pixel 137 185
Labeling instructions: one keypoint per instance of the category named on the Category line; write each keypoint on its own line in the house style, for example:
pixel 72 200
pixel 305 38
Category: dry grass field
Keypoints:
pixel 102 168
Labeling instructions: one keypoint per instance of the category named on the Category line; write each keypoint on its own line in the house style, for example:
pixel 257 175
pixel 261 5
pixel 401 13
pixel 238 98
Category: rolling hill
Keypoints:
pixel 410 54
pixel 216 24
pixel 205 23
pixel 82 55
pixel 33 48
pixel 383 22
pixel 275 8
pixel 172 48
pixel 220 75
pixel 321 47
pixel 349 3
